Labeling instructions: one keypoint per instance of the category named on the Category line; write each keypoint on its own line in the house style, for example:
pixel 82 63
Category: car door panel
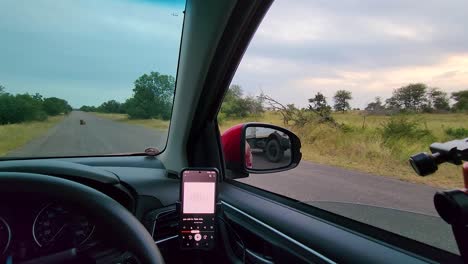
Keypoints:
pixel 304 235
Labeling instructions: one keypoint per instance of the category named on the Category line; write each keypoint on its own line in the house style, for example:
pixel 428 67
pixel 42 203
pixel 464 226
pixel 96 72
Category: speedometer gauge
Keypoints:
pixel 57 224
pixel 5 235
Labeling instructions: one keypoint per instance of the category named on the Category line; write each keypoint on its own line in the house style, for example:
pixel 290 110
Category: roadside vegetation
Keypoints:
pixel 152 99
pixel 124 118
pixel 24 117
pixel 378 139
pixel 21 108
pixel 14 136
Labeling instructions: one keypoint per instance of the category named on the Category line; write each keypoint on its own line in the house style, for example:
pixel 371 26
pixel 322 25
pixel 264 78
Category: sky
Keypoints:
pixel 367 47
pixel 88 52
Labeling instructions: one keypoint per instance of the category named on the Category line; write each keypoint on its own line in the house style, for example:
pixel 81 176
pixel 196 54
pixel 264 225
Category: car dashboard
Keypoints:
pixel 33 226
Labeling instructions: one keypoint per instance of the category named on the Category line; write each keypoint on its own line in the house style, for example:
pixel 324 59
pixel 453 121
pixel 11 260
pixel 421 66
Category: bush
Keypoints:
pixel 401 128
pixel 20 108
pixel 236 105
pixel 25 107
pixel 152 98
pixel 111 106
pixel 54 106
pixel 86 108
pixel 456 133
pixel 138 112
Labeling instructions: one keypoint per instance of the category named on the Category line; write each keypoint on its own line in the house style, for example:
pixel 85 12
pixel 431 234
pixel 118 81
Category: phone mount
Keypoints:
pixel 455 152
pixel 201 233
pixel 451 205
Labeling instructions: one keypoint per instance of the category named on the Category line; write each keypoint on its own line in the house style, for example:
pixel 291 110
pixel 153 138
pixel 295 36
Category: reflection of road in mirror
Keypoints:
pixel 260 161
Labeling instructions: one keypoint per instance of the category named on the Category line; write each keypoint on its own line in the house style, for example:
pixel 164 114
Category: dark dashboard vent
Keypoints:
pixel 166 225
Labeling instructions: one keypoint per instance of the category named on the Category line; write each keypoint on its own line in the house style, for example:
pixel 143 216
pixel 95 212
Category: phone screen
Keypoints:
pixel 198 197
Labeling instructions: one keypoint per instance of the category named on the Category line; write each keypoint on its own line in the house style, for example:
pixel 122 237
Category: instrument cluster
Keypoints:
pixel 30 229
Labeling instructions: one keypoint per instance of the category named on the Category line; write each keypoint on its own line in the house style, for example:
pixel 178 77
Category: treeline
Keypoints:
pixel 152 98
pixel 412 98
pixel 420 98
pixel 25 107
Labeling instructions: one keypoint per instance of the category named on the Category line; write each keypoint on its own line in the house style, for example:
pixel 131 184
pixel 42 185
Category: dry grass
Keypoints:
pixel 150 123
pixel 16 135
pixel 361 148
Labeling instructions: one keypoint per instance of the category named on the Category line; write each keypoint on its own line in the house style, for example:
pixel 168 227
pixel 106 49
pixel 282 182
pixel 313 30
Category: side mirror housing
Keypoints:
pixel 259 148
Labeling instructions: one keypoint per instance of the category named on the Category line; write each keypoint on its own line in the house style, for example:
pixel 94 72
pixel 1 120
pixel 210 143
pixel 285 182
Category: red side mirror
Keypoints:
pixel 259 148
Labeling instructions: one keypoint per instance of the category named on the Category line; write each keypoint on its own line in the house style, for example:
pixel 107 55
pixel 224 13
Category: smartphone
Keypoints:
pixel 198 196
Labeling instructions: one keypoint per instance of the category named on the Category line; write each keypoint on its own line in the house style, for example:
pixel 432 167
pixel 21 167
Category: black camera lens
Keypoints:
pixel 423 164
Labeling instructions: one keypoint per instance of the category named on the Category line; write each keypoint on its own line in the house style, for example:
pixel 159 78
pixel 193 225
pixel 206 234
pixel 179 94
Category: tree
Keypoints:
pixel 376 107
pixel 235 104
pixel 438 100
pixel 86 108
pixel 25 107
pixel 319 104
pixel 254 105
pixel 55 106
pixel 20 108
pixel 110 106
pixel 232 104
pixel 411 97
pixel 288 112
pixel 461 100
pixel 152 98
pixel 341 99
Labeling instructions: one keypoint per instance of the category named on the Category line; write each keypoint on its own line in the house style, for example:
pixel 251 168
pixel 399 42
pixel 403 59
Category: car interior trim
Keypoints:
pixel 165 239
pixel 279 233
pixel 156 220
pixel 9 234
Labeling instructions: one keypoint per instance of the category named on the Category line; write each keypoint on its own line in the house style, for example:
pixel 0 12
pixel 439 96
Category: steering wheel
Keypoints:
pixel 126 229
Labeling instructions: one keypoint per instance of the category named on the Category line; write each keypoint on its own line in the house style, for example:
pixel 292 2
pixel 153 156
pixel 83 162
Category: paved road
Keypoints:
pixel 99 136
pixel 311 182
pixel 350 193
pixel 364 197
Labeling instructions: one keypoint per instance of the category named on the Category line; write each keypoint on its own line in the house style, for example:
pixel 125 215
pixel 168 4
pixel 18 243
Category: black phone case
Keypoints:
pixel 216 213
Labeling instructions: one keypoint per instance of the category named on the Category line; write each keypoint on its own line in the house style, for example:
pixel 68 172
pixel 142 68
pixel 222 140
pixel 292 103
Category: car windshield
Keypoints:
pixel 364 85
pixel 82 78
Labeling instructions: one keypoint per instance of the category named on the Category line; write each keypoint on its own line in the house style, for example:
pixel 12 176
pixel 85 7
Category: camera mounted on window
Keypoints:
pixel 454 151
pixel 452 205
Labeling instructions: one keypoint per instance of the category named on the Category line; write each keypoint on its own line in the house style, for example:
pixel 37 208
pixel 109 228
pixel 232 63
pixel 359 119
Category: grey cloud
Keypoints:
pixel 104 45
pixel 352 39
pixel 324 37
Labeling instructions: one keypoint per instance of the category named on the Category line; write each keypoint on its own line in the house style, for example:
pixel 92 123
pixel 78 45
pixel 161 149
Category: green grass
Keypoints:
pixel 14 136
pixel 362 146
pixel 150 123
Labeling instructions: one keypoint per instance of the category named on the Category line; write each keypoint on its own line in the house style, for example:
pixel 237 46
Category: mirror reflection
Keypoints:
pixel 267 148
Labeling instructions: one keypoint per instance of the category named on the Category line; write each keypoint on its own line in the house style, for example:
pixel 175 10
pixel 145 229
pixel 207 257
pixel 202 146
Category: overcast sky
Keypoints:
pixel 91 51
pixel 367 47
pixel 86 51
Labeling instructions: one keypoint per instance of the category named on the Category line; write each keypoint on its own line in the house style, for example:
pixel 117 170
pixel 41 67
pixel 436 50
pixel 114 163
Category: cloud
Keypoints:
pixel 368 47
pixel 86 52
pixel 91 51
